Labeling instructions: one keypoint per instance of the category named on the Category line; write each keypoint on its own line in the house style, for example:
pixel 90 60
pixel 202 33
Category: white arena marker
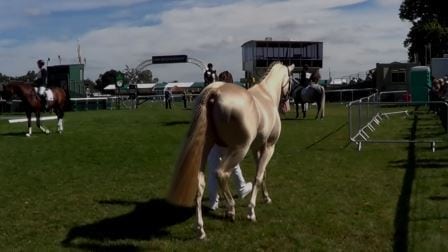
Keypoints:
pixel 33 119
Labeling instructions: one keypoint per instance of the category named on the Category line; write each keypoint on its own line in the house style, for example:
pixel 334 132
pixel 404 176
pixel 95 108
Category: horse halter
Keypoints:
pixel 286 96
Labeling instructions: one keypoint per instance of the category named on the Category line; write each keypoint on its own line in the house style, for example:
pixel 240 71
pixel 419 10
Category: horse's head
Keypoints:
pixel 8 92
pixel 226 76
pixel 286 89
pixel 287 81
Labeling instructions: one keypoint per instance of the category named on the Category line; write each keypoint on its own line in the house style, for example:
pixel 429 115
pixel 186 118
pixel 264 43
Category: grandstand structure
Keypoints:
pixel 259 54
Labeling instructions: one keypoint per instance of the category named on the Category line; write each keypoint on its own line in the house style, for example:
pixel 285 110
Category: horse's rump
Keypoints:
pixel 313 93
pixel 221 115
pixel 232 112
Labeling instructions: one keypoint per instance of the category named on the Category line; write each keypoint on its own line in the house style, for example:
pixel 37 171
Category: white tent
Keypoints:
pixel 178 84
pixel 145 85
pixel 110 87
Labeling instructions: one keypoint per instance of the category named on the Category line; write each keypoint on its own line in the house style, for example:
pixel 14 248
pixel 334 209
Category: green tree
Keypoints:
pixel 30 76
pixel 88 83
pixel 132 75
pixel 145 76
pixel 428 36
pixel 4 78
pixel 107 78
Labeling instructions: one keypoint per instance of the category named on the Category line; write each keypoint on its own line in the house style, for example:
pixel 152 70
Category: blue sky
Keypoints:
pixel 114 33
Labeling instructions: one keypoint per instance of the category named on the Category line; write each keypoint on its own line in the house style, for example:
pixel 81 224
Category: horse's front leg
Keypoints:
pixel 263 156
pixel 318 111
pixel 297 109
pixel 40 126
pixel 30 127
pixel 200 193
pixel 304 110
pixel 60 115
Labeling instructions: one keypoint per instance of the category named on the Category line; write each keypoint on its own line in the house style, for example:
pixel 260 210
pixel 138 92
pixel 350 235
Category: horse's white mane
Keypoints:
pixel 268 70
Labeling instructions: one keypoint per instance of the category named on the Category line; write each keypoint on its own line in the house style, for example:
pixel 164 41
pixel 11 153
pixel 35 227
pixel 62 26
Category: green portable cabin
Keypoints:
pixel 419 83
pixel 68 77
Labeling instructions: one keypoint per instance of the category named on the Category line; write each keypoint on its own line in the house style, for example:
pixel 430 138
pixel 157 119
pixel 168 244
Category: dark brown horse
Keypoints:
pixel 225 76
pixel 33 104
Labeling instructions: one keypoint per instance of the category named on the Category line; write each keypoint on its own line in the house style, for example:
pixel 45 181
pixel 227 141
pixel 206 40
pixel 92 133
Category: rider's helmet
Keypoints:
pixel 40 63
pixel 210 65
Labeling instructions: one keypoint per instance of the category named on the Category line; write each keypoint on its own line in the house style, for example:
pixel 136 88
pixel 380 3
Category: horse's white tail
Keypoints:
pixel 193 156
pixel 322 103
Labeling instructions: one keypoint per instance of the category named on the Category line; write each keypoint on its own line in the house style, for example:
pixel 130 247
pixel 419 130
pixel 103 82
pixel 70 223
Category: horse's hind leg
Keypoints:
pixel 318 111
pixel 60 115
pixel 297 109
pixel 304 110
pixel 30 127
pixel 200 193
pixel 231 158
pixel 262 156
pixel 39 125
pixel 264 191
pixel 201 186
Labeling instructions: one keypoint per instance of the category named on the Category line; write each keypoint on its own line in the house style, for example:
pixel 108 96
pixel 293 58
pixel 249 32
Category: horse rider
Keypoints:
pixel 315 77
pixel 209 75
pixel 168 98
pixel 41 82
pixel 305 76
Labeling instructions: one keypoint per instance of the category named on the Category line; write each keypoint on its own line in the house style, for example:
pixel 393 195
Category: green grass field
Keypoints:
pixel 104 179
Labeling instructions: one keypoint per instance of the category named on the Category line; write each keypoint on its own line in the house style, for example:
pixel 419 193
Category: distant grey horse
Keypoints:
pixel 310 94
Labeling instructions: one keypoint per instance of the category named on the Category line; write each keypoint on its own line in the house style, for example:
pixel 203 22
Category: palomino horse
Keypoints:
pixel 238 119
pixel 225 76
pixel 32 102
pixel 310 94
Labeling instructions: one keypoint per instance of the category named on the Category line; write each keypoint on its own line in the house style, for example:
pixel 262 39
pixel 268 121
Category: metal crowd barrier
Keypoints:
pixel 367 114
pixel 347 95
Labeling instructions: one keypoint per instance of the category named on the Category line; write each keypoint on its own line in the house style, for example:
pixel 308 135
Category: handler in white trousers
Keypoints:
pixel 213 159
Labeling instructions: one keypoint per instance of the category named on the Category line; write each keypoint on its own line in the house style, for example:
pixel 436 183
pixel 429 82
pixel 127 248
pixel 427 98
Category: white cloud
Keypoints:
pixel 390 2
pixel 50 6
pixel 353 42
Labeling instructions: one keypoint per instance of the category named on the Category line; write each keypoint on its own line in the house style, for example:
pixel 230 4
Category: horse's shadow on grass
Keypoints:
pixel 336 130
pixel 290 119
pixel 174 123
pixel 148 220
pixel 13 134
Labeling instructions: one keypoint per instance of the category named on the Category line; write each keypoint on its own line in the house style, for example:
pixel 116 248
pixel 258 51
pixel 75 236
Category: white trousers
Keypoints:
pixel 213 160
pixel 41 91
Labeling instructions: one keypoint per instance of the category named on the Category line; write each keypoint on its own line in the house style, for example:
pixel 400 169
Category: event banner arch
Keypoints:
pixel 171 59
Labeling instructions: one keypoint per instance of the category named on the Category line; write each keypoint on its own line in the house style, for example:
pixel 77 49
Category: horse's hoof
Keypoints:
pixel 268 200
pixel 202 236
pixel 230 216
pixel 47 131
pixel 251 218
pixel 27 134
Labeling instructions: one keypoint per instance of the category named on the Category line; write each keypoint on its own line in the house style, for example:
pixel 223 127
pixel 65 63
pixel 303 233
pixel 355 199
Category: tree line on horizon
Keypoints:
pixel 428 36
pixel 131 75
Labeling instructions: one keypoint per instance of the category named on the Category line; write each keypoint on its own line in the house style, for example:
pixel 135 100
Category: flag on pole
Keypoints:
pixel 79 53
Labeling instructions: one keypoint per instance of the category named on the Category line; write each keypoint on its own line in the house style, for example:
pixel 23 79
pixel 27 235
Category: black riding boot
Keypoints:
pixel 43 103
